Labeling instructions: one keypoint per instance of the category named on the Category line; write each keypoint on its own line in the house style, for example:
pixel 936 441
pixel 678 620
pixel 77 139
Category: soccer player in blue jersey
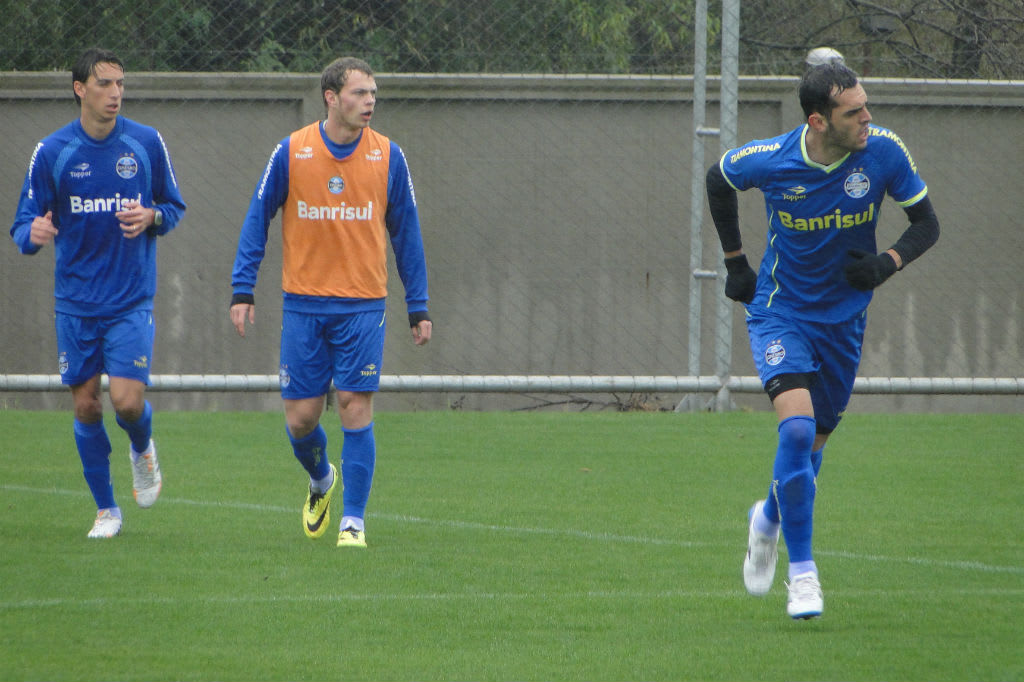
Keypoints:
pixel 344 191
pixel 823 185
pixel 101 190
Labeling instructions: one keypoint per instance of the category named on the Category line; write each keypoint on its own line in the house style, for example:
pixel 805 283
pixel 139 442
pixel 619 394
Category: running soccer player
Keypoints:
pixel 344 189
pixel 823 185
pixel 101 190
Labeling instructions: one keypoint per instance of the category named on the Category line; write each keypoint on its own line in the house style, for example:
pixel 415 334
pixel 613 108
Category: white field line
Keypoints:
pixel 970 566
pixel 927 595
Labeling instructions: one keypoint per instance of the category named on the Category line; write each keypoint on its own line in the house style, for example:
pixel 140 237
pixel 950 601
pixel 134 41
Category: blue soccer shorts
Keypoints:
pixel 830 352
pixel 119 345
pixel 347 348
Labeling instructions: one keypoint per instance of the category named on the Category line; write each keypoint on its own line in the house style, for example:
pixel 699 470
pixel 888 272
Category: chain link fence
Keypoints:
pixel 551 148
pixel 905 38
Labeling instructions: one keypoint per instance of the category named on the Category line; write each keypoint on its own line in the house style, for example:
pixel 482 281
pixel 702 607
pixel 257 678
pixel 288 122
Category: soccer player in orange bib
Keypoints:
pixel 344 191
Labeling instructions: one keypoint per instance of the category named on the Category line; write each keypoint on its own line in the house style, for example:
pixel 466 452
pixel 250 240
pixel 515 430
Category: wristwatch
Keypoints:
pixel 158 217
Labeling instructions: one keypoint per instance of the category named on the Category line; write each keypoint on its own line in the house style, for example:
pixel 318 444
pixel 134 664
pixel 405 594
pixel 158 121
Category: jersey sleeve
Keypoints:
pixel 37 196
pixel 752 164
pixel 166 194
pixel 403 225
pixel 267 198
pixel 905 186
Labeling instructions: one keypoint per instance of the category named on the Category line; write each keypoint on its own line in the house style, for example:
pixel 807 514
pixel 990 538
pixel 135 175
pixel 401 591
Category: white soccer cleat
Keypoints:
pixel 146 478
pixel 805 597
pixel 106 525
pixel 762 555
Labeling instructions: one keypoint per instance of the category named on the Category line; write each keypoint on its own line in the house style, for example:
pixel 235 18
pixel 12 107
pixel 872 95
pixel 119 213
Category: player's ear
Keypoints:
pixel 817 122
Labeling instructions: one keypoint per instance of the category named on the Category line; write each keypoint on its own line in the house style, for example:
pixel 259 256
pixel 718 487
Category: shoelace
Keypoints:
pixel 764 550
pixel 144 466
pixel 103 519
pixel 805 587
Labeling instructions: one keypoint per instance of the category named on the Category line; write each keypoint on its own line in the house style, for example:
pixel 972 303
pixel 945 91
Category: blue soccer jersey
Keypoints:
pixel 816 214
pixel 85 182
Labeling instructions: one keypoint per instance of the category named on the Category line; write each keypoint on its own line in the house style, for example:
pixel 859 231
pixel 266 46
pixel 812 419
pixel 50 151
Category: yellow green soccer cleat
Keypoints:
pixel 350 537
pixel 316 514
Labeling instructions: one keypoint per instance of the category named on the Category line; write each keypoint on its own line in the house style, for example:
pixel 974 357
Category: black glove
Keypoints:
pixel 867 270
pixel 741 280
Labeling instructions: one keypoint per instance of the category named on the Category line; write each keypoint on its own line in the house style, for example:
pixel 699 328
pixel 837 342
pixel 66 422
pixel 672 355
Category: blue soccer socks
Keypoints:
pixel 358 458
pixel 139 431
pixel 311 451
pixel 94 450
pixel 794 485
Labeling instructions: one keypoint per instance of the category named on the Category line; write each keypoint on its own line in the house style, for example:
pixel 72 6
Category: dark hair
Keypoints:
pixel 821 83
pixel 86 65
pixel 336 73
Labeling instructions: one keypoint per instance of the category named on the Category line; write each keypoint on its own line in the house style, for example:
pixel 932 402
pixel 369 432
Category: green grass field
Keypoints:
pixel 513 546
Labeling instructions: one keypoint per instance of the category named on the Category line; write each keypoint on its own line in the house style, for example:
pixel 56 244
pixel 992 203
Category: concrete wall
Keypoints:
pixel 555 214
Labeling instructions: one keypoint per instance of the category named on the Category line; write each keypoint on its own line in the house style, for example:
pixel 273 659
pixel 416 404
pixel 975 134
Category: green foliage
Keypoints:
pixel 914 38
pixel 936 38
pixel 541 546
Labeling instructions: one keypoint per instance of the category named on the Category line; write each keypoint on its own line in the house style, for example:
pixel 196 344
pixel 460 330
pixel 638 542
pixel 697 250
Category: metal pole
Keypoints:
pixel 700 130
pixel 700 58
pixel 729 103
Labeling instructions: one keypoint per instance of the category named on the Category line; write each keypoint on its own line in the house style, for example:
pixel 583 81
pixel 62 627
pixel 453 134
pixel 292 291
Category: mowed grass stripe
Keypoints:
pixel 569 533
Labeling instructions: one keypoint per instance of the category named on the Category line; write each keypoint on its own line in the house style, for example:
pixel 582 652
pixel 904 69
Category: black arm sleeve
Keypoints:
pixel 922 233
pixel 724 209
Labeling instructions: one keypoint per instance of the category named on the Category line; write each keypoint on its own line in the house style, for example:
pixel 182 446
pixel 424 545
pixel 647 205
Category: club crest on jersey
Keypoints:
pixel 127 167
pixel 774 354
pixel 856 185
pixel 335 185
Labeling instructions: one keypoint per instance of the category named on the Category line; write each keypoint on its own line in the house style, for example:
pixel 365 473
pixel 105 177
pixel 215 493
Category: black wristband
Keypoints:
pixel 737 264
pixel 243 298
pixel 417 317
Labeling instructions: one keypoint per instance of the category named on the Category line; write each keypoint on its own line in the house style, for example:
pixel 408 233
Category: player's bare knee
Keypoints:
pixel 88 411
pixel 302 424
pixel 355 408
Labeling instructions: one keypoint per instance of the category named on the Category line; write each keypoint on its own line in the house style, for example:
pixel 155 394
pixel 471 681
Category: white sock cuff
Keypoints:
pixel 352 522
